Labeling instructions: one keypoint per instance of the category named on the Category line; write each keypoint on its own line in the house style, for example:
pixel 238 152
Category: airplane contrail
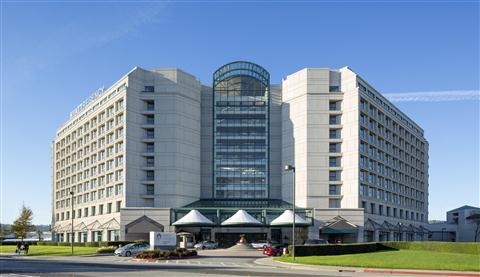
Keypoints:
pixel 434 96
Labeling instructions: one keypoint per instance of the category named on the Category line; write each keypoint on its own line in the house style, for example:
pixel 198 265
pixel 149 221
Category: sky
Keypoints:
pixel 54 54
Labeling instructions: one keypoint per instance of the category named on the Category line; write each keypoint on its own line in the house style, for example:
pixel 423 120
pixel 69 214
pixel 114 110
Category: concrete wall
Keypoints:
pixel 177 138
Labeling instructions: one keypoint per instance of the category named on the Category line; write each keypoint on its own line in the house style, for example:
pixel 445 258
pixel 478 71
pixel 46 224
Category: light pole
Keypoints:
pixel 292 168
pixel 71 215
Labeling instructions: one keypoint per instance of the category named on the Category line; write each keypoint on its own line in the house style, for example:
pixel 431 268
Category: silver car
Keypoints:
pixel 132 249
pixel 206 245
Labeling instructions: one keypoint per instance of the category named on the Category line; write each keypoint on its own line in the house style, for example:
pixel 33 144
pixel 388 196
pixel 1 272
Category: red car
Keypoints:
pixel 274 250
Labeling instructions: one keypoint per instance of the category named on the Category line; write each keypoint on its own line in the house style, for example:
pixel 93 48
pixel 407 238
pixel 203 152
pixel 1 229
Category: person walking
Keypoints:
pixel 17 250
pixel 27 245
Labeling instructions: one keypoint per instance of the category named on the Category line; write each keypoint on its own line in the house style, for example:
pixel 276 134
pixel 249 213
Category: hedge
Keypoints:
pixel 106 250
pixel 76 244
pixel 437 246
pixel 166 254
pixel 15 242
pixel 337 249
pixel 354 248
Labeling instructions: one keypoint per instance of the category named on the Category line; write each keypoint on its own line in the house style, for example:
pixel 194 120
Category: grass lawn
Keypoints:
pixel 407 259
pixel 44 250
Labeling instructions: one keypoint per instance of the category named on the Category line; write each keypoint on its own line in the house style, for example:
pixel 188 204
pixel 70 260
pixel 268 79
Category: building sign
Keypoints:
pixel 163 240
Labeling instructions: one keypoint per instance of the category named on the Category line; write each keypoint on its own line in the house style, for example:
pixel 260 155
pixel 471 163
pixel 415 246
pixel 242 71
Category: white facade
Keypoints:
pixel 137 144
pixel 144 147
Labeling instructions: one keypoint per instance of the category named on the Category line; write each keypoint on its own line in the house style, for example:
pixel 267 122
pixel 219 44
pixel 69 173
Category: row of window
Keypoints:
pixel 85 128
pixel 102 193
pixel 89 211
pixel 93 108
pixel 396 113
pixel 390 197
pixel 380 209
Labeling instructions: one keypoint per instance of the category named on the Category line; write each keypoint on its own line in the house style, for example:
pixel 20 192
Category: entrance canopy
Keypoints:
pixel 339 225
pixel 242 218
pixel 193 218
pixel 286 219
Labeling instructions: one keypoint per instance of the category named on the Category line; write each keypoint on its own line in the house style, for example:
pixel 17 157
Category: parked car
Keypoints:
pixel 262 244
pixel 275 250
pixel 315 241
pixel 206 245
pixel 132 249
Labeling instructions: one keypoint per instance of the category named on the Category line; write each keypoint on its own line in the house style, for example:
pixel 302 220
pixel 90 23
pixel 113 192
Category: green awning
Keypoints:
pixel 329 230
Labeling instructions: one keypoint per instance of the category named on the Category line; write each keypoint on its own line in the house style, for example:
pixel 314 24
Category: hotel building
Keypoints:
pixel 138 156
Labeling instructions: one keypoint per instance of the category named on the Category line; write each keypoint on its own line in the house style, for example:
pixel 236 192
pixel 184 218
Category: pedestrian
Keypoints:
pixel 26 248
pixel 17 250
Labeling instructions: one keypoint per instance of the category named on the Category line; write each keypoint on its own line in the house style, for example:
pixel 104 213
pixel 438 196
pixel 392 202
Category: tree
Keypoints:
pixel 475 218
pixel 23 224
pixel 39 233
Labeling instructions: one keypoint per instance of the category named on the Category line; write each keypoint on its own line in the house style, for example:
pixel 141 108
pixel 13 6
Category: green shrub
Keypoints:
pixel 63 243
pixel 141 241
pixel 436 246
pixel 49 243
pixel 92 244
pixel 337 249
pixel 106 250
pixel 166 254
pixel 103 243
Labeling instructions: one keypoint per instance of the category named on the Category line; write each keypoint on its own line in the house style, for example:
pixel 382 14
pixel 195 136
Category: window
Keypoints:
pixel 150 175
pixel 334 133
pixel 380 209
pixel 334 106
pixel 93 210
pixel 150 189
pixel 334 203
pixel 150 161
pixel 334 119
pixel 334 161
pixel 85 212
pixel 334 190
pixel 334 175
pixel 149 147
pixel 334 88
pixel 119 205
pixel 334 147
pixel 372 208
pixel 150 105
pixel 149 133
pixel 100 209
pixel 109 208
pixel 150 119
pixel 149 89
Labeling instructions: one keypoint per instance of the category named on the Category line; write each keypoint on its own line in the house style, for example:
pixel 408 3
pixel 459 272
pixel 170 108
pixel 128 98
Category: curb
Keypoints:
pixel 271 262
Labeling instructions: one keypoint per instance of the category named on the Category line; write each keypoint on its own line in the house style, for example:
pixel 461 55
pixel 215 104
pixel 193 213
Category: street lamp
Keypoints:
pixel 292 168
pixel 71 216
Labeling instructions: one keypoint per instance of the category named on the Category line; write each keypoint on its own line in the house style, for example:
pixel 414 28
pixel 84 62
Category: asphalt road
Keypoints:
pixel 209 263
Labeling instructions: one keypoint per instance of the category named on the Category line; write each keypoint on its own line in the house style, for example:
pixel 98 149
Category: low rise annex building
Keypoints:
pixel 157 144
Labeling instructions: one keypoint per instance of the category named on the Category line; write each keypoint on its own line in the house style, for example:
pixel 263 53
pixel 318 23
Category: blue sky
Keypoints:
pixel 55 54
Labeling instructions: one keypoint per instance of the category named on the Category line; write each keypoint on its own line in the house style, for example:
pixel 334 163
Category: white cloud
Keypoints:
pixel 434 96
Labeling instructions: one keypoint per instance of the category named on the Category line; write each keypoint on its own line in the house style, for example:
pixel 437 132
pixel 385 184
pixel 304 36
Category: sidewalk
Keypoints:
pixel 384 271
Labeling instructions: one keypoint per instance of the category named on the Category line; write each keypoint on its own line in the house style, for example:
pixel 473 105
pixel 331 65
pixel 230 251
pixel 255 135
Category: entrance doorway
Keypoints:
pixel 229 239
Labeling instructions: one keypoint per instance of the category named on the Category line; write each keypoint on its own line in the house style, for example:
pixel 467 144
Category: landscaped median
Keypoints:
pixel 394 255
pixel 49 250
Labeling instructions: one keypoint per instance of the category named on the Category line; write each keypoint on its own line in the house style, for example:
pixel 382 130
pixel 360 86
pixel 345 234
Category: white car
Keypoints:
pixel 206 245
pixel 262 244
pixel 132 249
